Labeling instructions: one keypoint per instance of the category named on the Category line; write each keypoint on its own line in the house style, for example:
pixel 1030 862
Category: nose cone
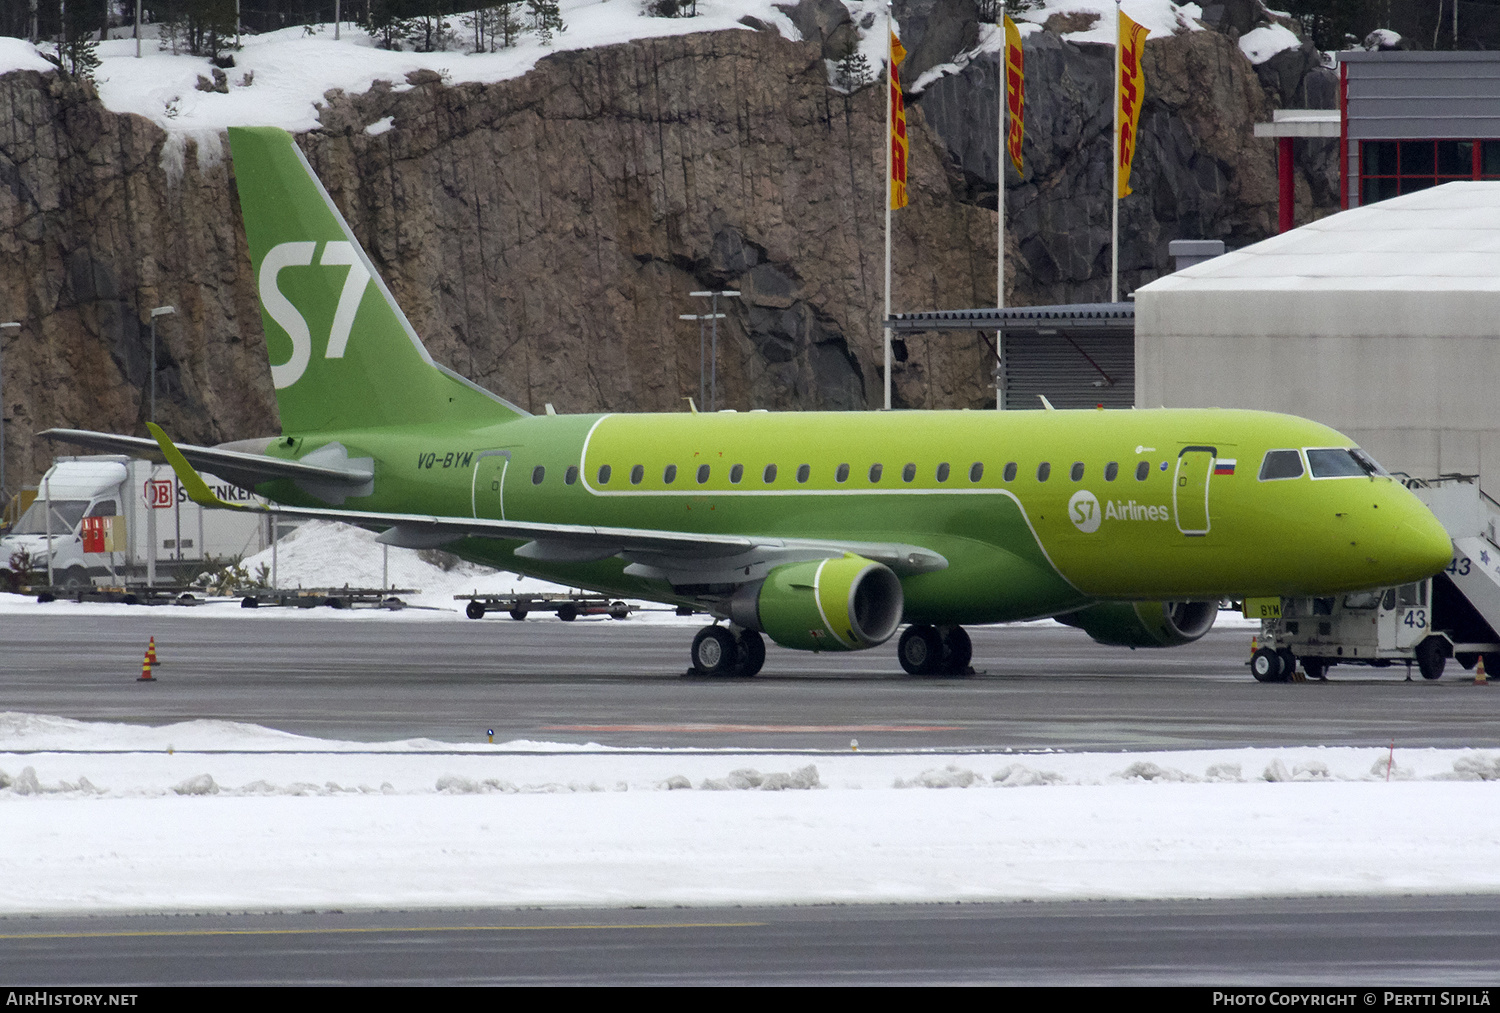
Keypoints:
pixel 1419 546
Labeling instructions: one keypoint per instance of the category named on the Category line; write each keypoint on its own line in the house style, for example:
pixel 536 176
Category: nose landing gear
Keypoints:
pixel 933 650
pixel 721 651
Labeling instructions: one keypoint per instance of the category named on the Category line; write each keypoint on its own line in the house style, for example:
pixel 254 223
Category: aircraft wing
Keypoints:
pixel 678 557
pixel 236 466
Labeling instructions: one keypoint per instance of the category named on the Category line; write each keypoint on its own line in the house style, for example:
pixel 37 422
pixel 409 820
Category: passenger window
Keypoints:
pixel 1142 470
pixel 736 473
pixel 842 474
pixel 1281 464
pixel 1334 463
pixel 703 471
pixel 1043 471
pixel 537 474
pixel 571 475
pixel 770 474
pixel 942 472
pixel 604 474
pixel 875 470
pixel 909 472
pixel 1077 473
pixel 636 474
pixel 802 472
pixel 1111 471
pixel 1010 471
pixel 670 474
pixel 976 471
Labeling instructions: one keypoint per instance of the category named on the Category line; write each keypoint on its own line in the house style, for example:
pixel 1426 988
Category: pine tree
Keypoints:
pixel 545 19
pixel 852 71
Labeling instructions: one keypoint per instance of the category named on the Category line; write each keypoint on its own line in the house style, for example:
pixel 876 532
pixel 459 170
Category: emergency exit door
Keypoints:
pixel 1195 466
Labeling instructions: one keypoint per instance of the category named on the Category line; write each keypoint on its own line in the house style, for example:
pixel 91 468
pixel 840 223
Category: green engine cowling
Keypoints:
pixel 1145 623
pixel 845 604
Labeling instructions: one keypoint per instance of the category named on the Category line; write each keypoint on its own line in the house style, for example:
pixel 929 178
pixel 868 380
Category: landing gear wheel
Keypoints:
pixel 1316 668
pixel 920 650
pixel 1432 653
pixel 1288 664
pixel 474 610
pixel 752 654
pixel 1265 665
pixel 715 652
pixel 958 650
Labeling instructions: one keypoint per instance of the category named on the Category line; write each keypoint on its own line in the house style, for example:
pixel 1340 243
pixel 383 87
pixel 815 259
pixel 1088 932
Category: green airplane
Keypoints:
pixel 824 531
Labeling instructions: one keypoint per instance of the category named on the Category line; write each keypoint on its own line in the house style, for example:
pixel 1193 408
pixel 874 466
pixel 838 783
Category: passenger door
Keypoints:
pixel 488 494
pixel 1195 466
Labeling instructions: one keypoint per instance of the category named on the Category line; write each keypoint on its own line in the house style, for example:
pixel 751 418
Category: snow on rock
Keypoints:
pixel 1260 44
pixel 1383 38
pixel 280 77
pixel 1159 17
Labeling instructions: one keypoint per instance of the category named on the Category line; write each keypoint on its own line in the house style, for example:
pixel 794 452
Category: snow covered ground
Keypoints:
pixel 211 816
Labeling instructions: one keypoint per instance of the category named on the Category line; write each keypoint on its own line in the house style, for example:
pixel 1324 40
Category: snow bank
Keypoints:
pixel 234 825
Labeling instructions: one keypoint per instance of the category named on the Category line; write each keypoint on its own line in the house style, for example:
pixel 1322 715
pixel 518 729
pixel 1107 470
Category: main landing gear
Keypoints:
pixel 723 651
pixel 935 650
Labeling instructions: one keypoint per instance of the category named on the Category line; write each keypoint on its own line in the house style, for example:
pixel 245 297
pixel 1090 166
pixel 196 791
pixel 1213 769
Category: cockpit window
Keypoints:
pixel 1281 464
pixel 1334 462
pixel 1367 462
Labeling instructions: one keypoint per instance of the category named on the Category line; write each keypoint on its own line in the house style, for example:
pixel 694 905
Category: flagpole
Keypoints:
pixel 886 322
pixel 1114 228
pixel 1001 95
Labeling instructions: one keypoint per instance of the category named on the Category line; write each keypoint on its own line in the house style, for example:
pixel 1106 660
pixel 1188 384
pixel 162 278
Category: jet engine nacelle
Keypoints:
pixel 845 604
pixel 1145 623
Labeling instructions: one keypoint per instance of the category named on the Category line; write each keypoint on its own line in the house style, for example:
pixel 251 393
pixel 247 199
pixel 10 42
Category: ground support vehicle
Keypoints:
pixel 333 597
pixel 567 606
pixel 117 520
pixel 1455 614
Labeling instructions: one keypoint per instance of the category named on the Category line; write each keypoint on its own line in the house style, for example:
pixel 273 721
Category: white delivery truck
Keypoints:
pixel 117 519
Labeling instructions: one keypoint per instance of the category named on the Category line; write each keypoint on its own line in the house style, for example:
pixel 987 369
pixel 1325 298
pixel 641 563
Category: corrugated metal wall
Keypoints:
pixel 1059 368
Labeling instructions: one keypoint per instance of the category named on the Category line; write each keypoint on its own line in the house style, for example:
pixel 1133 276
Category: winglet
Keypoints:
pixel 197 489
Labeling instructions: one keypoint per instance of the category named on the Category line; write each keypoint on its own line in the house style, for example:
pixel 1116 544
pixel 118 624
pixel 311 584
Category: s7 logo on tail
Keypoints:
pixel 280 309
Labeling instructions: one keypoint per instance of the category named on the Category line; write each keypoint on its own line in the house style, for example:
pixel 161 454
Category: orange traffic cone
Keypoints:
pixel 147 662
pixel 1480 678
pixel 151 653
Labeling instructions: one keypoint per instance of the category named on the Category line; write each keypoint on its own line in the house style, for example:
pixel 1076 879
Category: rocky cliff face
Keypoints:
pixel 543 233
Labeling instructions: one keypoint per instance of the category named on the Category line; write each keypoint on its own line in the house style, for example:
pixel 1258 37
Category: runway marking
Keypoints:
pixel 165 933
pixel 752 728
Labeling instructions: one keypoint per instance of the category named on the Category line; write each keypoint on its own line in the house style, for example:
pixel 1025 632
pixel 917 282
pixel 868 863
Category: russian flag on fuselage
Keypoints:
pixel 1224 465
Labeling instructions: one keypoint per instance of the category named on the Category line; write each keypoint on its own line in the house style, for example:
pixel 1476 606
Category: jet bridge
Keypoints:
pixel 1455 614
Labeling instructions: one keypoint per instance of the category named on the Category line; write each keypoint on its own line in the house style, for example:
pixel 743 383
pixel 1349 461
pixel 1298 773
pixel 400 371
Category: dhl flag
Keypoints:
pixel 1015 92
pixel 898 127
pixel 1132 90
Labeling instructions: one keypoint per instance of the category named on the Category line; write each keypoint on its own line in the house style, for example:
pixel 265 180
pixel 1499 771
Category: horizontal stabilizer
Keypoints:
pixel 243 469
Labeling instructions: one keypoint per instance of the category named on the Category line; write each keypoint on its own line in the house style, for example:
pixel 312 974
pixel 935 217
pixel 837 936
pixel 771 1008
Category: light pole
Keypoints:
pixel 710 397
pixel 10 326
pixel 160 311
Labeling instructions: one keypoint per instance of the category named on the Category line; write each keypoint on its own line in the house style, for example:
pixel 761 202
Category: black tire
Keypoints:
pixel 752 654
pixel 1432 654
pixel 920 650
pixel 334 603
pixel 249 603
pixel 474 610
pixel 1288 664
pixel 958 650
pixel 1316 668
pixel 1265 665
pixel 619 610
pixel 715 652
pixel 1491 661
pixel 567 613
pixel 75 578
pixel 518 615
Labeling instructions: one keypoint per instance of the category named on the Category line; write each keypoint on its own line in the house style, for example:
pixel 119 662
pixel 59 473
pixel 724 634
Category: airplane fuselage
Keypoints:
pixel 1037 513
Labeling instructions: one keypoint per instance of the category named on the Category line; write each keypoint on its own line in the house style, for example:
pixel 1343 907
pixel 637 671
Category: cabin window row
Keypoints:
pixel 841 474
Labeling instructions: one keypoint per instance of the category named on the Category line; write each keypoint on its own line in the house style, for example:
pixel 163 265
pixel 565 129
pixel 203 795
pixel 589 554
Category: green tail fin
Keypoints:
pixel 343 355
